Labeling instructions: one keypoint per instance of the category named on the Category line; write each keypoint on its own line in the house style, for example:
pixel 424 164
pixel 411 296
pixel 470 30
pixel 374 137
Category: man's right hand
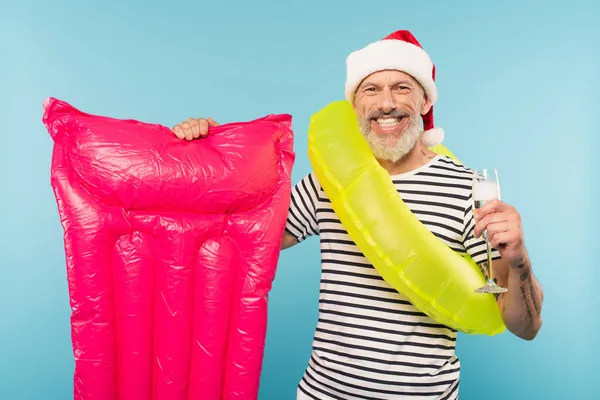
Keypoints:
pixel 191 128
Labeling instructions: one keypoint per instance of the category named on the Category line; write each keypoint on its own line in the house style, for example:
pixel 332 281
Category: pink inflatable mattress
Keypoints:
pixel 171 248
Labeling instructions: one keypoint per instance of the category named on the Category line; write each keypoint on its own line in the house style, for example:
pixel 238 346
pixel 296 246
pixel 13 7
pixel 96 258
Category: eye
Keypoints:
pixel 403 88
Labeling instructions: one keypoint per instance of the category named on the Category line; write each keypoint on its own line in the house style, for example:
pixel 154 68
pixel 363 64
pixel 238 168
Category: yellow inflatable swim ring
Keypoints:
pixel 433 277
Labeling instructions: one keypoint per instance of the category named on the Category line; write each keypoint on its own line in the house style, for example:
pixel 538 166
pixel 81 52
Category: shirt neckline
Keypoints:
pixel 417 170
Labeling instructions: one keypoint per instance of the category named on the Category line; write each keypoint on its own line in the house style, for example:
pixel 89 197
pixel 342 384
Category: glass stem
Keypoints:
pixel 489 257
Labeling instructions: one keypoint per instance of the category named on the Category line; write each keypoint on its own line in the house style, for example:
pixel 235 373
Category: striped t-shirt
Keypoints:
pixel 370 342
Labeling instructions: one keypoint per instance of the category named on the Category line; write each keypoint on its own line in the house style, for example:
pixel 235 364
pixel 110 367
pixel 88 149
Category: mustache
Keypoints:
pixel 390 114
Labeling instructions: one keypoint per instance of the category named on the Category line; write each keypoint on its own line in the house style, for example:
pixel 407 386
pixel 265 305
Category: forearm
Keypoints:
pixel 522 303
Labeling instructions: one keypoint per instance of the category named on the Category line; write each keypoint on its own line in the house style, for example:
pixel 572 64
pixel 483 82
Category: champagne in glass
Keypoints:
pixel 487 188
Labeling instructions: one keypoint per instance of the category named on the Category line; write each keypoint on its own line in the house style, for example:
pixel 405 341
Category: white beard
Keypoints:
pixel 393 147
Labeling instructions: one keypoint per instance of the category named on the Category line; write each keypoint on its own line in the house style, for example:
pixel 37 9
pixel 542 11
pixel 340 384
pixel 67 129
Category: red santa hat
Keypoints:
pixel 398 51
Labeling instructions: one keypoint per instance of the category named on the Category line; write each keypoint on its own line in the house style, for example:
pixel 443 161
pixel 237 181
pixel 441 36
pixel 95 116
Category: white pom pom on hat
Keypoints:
pixel 398 51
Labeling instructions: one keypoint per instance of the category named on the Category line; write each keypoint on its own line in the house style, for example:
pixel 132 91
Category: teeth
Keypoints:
pixel 387 122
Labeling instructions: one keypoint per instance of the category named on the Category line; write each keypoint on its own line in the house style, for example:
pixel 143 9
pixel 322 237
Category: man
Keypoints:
pixel 370 342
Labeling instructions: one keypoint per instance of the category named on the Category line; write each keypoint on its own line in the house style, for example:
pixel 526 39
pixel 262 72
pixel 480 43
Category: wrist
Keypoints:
pixel 521 264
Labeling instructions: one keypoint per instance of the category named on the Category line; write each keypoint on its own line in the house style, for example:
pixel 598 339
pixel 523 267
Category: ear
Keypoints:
pixel 426 106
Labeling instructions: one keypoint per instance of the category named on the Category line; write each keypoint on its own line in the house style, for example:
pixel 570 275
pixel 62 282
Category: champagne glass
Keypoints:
pixel 486 187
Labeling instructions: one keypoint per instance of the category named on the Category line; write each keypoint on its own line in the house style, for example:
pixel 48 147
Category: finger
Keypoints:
pixel 493 206
pixel 497 206
pixel 178 131
pixel 484 223
pixel 203 127
pixel 195 126
pixel 212 122
pixel 187 130
pixel 488 208
pixel 498 227
pixel 505 238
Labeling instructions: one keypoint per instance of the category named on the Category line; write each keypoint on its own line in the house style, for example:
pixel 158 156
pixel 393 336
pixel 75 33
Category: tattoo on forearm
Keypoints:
pixel 483 267
pixel 524 276
pixel 528 284
pixel 526 303
pixel 522 263
pixel 537 308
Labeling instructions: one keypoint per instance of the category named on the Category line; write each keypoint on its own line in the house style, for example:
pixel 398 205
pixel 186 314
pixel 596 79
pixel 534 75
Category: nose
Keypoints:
pixel 388 103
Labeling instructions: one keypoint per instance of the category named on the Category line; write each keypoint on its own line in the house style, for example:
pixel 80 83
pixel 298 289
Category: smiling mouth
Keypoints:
pixel 388 122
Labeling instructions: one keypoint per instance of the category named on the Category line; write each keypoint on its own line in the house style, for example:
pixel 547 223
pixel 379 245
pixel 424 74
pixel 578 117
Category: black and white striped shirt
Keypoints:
pixel 370 342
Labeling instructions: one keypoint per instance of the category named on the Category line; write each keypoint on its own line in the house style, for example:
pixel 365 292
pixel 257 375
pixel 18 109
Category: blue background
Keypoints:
pixel 518 91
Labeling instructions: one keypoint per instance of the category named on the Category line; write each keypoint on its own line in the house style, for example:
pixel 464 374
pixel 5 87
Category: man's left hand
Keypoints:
pixel 504 231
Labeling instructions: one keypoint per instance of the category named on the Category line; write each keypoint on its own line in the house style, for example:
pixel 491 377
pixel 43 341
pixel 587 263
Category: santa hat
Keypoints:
pixel 398 51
